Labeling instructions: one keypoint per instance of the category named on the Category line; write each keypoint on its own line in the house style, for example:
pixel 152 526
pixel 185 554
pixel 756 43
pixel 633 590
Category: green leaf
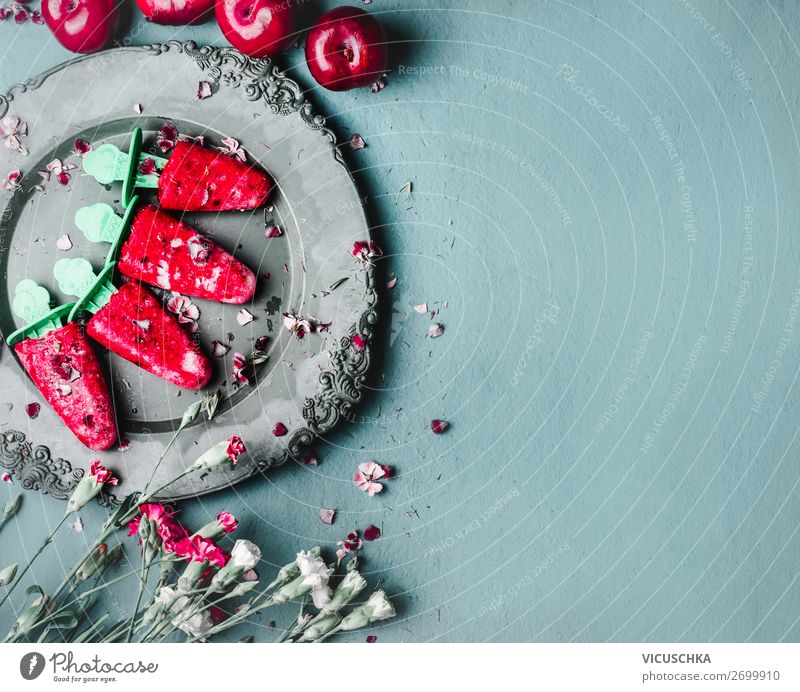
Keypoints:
pixel 338 283
pixel 248 639
pixel 125 512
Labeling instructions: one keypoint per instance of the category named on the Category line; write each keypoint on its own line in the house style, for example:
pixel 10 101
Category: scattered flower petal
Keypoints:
pixel 367 476
pixel 137 108
pixel 372 533
pixel 77 525
pixel 64 243
pixel 167 137
pixel 309 460
pixel 439 426
pixel 273 232
pixel 239 364
pixel 147 166
pixel 11 181
pixel 300 326
pixel 186 311
pixel 357 141
pixel 219 349
pixel 279 430
pixel 82 147
pixel 365 251
pixel 231 147
pixel 371 639
pixel 357 342
pixel 7 478
pixel 435 330
pixel 244 316
pixel 422 308
pixel 351 544
pixel 327 515
pixel 391 283
pixel 124 445
pixel 377 86
pixel 32 410
pixel 203 91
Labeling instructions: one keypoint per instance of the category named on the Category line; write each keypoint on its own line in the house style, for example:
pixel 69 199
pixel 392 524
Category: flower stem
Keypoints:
pixel 142 581
pixel 45 543
pixel 160 459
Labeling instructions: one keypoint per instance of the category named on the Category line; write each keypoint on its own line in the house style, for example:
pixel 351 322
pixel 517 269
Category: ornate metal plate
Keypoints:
pixel 309 384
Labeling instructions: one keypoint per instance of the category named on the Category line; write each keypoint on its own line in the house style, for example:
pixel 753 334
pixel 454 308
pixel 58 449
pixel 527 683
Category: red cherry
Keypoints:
pixel 347 48
pixel 259 28
pixel 176 12
pixel 82 26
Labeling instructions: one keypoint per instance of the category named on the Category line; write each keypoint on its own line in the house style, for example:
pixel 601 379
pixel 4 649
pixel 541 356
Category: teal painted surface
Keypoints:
pixel 605 213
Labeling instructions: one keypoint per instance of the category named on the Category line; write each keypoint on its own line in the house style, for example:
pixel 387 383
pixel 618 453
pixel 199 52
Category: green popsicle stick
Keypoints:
pixel 76 277
pixel 100 224
pixel 32 304
pixel 107 164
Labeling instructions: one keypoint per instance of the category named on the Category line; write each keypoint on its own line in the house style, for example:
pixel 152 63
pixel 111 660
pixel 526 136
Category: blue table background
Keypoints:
pixel 605 214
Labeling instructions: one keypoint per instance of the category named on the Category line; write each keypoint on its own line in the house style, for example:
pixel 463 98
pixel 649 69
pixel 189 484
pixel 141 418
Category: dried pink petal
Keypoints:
pixel 231 147
pixel 239 363
pixel 64 389
pixel 147 166
pixel 219 349
pixel 32 410
pixel 372 533
pixel 273 232
pixel 36 17
pixel 250 575
pixel 64 243
pixel 279 430
pixel 203 91
pixel 169 132
pixel 357 342
pixel 7 478
pixel 391 283
pixel 20 14
pixel 144 325
pixel 439 426
pixel 77 525
pixel 377 86
pixel 435 330
pixel 82 147
pixel 327 515
pixel 422 308
pixel 244 316
pixel 357 141
pixel 371 639
pixel 64 178
pixel 124 445
pixel 309 460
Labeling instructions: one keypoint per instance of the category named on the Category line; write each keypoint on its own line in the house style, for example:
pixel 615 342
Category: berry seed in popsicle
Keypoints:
pixel 162 251
pixel 193 178
pixel 131 322
pixel 60 361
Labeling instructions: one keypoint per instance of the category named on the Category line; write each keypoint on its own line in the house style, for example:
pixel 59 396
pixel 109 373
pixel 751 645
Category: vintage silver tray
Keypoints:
pixel 308 385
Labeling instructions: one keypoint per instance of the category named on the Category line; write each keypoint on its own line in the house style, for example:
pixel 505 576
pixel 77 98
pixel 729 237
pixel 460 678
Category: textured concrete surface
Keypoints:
pixel 605 215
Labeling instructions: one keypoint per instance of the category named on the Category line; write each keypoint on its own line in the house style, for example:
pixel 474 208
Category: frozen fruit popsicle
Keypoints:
pixel 193 178
pixel 162 251
pixel 60 361
pixel 132 323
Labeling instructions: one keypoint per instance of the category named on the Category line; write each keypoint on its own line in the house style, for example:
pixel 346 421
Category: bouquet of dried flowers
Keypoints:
pixel 187 583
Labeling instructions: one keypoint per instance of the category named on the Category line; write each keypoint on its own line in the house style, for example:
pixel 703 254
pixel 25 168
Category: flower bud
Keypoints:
pixel 320 626
pixel 90 486
pixel 243 588
pixel 244 556
pixel 377 607
pixel 352 585
pixel 94 562
pixel 192 575
pixel 191 413
pixel 292 591
pixel 11 507
pixel 7 574
pixel 211 458
pixel 290 571
pixel 114 555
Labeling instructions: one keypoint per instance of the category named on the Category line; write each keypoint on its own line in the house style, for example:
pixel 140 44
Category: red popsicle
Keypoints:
pixel 164 252
pixel 199 179
pixel 134 325
pixel 65 370
pixel 63 366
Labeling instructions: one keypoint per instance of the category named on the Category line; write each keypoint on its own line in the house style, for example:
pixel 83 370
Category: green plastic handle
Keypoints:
pixel 100 224
pixel 107 164
pixel 32 304
pixel 76 277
